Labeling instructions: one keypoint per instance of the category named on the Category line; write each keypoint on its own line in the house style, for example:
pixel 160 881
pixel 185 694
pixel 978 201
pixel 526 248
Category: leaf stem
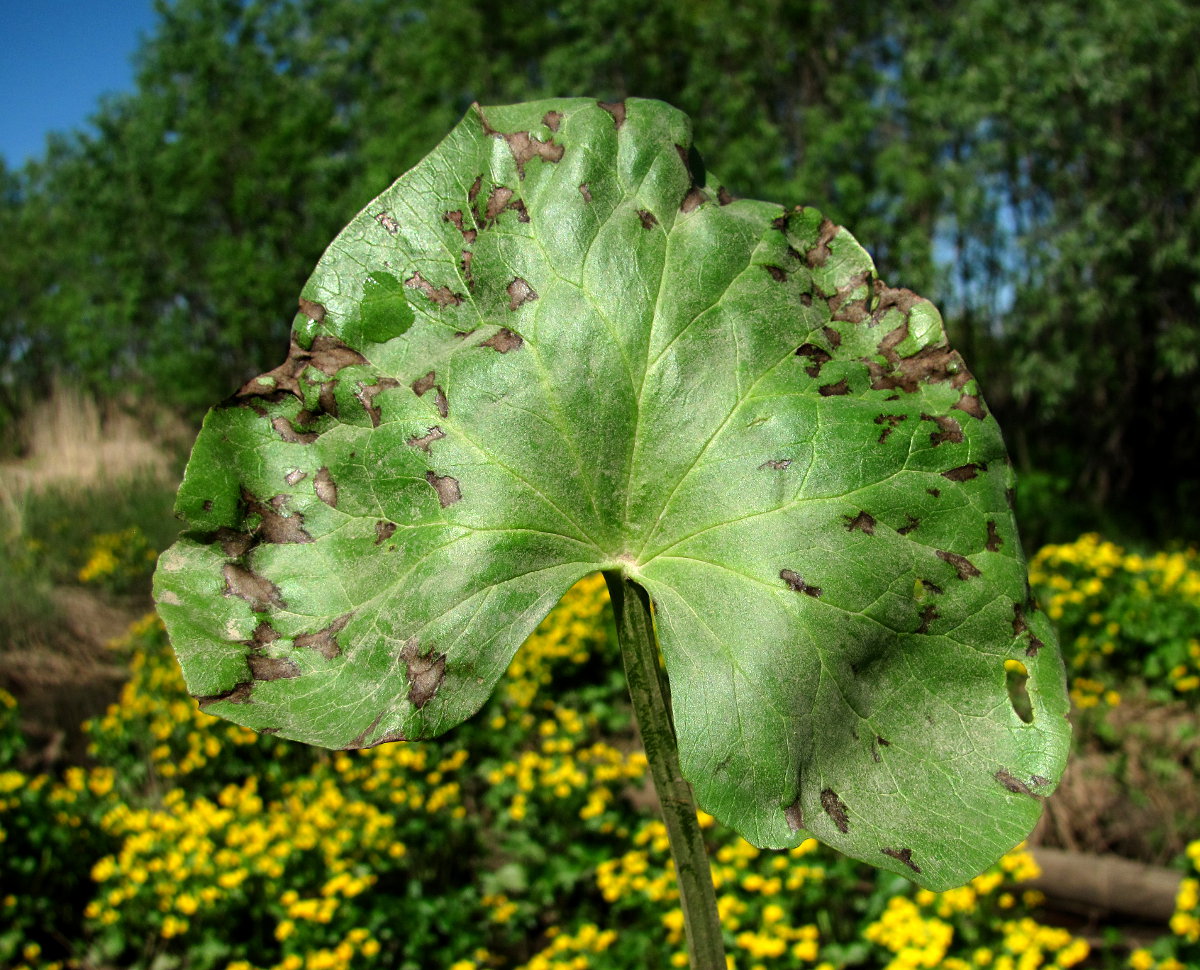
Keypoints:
pixel 651 706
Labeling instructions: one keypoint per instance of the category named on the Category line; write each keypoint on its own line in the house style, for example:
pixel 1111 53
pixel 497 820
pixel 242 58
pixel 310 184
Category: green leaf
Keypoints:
pixel 596 360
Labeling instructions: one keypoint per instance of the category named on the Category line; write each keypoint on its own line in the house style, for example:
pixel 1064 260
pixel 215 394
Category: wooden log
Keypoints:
pixel 1106 884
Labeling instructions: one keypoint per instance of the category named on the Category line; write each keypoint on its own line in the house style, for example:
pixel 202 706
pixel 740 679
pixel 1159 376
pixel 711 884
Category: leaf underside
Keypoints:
pixel 556 347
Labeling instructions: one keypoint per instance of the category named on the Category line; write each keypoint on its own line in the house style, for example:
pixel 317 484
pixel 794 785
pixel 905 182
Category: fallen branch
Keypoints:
pixel 1107 883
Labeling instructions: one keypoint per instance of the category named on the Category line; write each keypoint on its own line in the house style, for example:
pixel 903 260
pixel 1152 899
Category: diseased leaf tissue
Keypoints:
pixel 556 346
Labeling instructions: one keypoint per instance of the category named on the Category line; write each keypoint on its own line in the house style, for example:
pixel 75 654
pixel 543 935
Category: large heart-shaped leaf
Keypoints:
pixel 555 347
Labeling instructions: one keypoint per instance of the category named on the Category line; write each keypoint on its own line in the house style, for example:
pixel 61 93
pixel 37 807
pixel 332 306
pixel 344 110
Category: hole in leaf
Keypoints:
pixel 1015 677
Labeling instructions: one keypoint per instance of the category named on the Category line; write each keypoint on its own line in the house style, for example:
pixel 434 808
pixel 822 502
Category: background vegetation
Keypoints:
pixel 1035 171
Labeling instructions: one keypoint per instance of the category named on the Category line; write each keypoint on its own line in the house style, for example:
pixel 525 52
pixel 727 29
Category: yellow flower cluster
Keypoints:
pixel 155 701
pixel 112 554
pixel 748 902
pixel 915 941
pixel 192 856
pixel 571 951
pixel 564 765
pixel 1112 605
pixel 573 631
pixel 405 774
pixel 920 931
pixel 1185 922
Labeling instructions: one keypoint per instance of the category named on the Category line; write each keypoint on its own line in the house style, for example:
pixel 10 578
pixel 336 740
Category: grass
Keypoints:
pixel 82 511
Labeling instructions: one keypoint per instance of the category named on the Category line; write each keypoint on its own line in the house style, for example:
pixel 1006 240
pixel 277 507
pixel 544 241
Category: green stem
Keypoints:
pixel 651 706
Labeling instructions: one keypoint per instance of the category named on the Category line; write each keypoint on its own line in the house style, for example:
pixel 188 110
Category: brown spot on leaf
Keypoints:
pixel 289 434
pixel 314 311
pixel 295 476
pixel 902 855
pixel 272 668
pixel 887 298
pixel 818 255
pixel 962 565
pixel 585 192
pixel 777 273
pixel 361 740
pixel 424 441
pixel 863 522
pixel 843 307
pixel 723 196
pixel 423 384
pixel 928 615
pixel 930 364
pixel 775 464
pixel 233 544
pixel 388 222
pixel 1034 646
pixel 833 335
pixel 441 295
pixel 525 148
pixel 964 473
pixel 473 191
pixel 781 222
pixel 425 673
pixel 238 694
pixel 1013 783
pixel 835 808
pixel 796 583
pixel 1019 625
pixel 455 218
pixel 367 393
pixel 324 641
pixel 948 430
pixel 272 526
pixel 693 200
pixel 256 590
pixel 834 390
pixel 552 119
pixel 616 109
pixel 327 354
pixel 518 206
pixel 891 420
pixel 994 542
pixel 932 587
pixel 935 492
pixel 909 526
pixel 325 488
pixel 520 293
pixel 970 404
pixel 498 200
pixel 264 635
pixel 446 487
pixel 649 220
pixel 794 816
pixel 384 530
pixel 817 358
pixel 504 340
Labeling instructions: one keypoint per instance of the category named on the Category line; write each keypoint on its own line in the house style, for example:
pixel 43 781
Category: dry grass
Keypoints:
pixel 1134 793
pixel 71 440
pixel 85 469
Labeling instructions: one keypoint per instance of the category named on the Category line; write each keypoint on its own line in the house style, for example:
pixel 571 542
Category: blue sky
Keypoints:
pixel 59 58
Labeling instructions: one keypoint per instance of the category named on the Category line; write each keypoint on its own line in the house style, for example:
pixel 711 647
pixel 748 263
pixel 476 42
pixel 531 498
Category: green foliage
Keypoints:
pixel 599 362
pixel 1036 170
